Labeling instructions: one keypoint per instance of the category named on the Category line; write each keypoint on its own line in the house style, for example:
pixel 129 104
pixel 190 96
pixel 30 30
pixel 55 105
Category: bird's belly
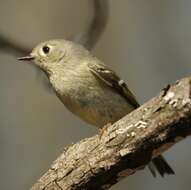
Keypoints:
pixel 91 100
pixel 97 110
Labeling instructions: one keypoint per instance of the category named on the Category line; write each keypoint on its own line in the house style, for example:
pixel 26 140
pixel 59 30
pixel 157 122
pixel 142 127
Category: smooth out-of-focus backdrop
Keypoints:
pixel 148 43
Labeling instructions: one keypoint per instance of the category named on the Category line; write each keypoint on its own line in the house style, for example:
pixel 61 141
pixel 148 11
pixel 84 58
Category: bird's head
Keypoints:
pixel 54 54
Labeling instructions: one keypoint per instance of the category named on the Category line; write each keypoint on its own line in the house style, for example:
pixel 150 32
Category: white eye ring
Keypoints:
pixel 45 50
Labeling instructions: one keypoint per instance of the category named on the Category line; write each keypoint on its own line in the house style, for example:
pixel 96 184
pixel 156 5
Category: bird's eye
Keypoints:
pixel 46 49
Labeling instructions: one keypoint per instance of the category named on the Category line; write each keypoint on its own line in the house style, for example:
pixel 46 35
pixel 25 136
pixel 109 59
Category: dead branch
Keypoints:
pixel 125 147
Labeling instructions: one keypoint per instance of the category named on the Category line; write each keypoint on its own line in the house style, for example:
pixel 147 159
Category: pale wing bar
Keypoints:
pixel 111 79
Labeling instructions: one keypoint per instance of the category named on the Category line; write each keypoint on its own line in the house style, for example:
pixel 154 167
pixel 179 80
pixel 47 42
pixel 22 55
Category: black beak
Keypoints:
pixel 26 58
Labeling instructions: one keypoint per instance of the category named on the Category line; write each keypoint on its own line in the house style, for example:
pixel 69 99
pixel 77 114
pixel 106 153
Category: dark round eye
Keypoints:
pixel 45 49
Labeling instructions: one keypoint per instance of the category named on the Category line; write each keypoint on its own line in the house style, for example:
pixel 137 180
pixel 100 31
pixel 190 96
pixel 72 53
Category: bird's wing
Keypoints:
pixel 110 78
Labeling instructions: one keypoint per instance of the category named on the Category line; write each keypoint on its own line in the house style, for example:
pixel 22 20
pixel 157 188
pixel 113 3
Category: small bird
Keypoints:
pixel 87 87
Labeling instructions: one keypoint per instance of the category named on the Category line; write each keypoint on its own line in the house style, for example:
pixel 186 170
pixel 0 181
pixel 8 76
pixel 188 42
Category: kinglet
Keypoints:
pixel 87 87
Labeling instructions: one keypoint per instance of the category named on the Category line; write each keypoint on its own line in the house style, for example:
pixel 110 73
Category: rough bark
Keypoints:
pixel 121 149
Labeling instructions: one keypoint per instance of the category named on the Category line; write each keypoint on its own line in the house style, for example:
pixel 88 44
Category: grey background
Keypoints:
pixel 146 41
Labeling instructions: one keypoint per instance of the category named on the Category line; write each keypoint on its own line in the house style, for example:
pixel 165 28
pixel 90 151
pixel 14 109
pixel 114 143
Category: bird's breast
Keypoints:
pixel 92 101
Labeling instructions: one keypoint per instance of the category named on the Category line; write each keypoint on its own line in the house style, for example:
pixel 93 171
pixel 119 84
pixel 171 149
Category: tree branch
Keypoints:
pixel 126 146
pixel 9 46
pixel 89 37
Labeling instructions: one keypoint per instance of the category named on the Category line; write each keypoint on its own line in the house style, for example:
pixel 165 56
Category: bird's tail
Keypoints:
pixel 159 164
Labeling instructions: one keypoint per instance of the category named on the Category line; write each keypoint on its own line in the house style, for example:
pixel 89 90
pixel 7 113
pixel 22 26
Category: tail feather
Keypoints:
pixel 152 169
pixel 160 164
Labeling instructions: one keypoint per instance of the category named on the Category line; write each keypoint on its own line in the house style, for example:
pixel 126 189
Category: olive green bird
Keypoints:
pixel 87 87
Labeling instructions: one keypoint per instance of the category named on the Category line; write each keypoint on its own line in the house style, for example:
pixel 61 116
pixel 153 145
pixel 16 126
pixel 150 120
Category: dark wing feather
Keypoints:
pixel 110 78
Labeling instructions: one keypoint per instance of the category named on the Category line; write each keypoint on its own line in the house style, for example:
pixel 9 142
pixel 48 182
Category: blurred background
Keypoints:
pixel 146 41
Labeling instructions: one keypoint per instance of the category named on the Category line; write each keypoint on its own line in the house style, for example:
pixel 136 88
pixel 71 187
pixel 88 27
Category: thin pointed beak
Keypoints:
pixel 26 58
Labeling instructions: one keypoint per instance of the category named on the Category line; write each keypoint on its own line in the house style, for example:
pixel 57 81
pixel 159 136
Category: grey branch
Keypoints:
pixel 8 45
pixel 125 147
pixel 90 36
